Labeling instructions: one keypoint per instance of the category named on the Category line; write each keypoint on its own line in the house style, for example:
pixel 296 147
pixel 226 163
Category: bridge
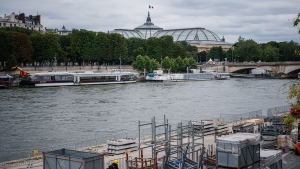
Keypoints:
pixel 281 69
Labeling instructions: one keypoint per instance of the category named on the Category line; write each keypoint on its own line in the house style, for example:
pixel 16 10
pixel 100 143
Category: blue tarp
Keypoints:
pixel 151 74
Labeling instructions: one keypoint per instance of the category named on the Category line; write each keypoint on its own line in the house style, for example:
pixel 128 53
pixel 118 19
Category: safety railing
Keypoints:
pixel 230 118
pixel 278 110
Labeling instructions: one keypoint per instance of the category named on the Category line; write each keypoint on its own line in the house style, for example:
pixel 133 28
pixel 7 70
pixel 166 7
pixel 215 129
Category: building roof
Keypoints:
pixel 63 29
pixel 190 35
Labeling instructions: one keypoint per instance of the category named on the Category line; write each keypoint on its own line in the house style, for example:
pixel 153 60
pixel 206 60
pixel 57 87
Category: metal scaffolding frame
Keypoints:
pixel 182 143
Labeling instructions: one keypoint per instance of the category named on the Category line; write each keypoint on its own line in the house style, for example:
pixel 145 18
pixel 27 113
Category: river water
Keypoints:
pixel 37 118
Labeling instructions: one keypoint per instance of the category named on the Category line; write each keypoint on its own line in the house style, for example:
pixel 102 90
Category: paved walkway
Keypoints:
pixel 291 161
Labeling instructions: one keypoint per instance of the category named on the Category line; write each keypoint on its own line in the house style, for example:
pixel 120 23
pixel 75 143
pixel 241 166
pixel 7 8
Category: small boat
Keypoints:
pixel 77 78
pixel 6 81
pixel 221 76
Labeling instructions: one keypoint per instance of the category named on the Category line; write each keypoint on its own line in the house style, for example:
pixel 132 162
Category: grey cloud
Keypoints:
pixel 261 21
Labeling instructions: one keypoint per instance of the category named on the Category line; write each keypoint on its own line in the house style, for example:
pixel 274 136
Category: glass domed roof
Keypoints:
pixel 148 30
pixel 190 34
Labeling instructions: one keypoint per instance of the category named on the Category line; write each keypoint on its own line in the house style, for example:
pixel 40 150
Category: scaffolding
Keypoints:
pixel 181 147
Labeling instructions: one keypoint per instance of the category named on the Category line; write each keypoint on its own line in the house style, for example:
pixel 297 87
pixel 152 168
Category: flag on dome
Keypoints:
pixel 151 7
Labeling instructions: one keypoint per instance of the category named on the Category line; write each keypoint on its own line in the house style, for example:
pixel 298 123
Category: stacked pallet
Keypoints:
pixel 222 128
pixel 208 126
pixel 121 146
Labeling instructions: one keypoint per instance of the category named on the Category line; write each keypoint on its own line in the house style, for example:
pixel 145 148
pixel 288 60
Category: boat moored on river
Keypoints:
pixel 77 78
pixel 158 76
pixel 6 81
pixel 104 78
pixel 47 79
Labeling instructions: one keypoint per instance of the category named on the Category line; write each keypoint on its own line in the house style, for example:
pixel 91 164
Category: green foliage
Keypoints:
pixel 87 46
pixel 168 63
pixel 202 56
pixel 270 54
pixel 7 45
pixel 20 30
pixel 297 21
pixel 135 46
pixel 241 39
pixel 166 43
pixel 144 62
pixel 179 50
pixel 289 51
pixel 216 53
pixel 24 50
pixel 247 50
pixel 12 61
pixel 100 48
pixel 289 120
pixel 65 51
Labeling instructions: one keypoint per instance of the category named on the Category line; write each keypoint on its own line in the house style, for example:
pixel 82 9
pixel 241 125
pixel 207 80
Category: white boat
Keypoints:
pixel 221 76
pixel 158 76
pixel 6 81
pixel 104 78
pixel 77 78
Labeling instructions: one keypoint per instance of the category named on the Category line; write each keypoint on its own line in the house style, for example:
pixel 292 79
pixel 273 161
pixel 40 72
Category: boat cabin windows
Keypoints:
pixel 5 80
pixel 50 77
pixel 97 78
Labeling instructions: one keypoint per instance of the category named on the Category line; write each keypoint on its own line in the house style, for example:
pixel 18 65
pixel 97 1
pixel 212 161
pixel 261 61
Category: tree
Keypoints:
pixel 270 54
pixel 216 53
pixel 168 63
pixel 248 50
pixel 293 98
pixel 167 45
pixel 179 50
pixel 288 51
pixel 100 47
pixel 7 45
pixel 23 50
pixel 12 61
pixel 202 56
pixel 135 46
pixel 82 45
pixel 65 42
pixel 179 65
pixel 144 62
pixel 297 21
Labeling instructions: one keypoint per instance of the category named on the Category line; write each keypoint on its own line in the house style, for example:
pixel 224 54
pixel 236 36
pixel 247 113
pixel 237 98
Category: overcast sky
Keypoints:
pixel 260 20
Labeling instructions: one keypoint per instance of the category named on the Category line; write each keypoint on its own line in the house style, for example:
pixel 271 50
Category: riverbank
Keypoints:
pixel 207 140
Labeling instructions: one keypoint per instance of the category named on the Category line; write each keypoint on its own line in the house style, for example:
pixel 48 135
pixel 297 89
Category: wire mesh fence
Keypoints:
pixel 229 118
pixel 278 110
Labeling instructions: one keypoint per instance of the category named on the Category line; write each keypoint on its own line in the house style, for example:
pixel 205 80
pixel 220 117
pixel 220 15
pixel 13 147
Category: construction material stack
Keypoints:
pixel 271 159
pixel 238 150
pixel 120 146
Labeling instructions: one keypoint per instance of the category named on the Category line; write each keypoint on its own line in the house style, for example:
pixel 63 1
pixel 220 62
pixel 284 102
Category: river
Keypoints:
pixel 39 118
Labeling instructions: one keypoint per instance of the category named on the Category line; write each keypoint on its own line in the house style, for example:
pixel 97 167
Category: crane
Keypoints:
pixel 22 73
